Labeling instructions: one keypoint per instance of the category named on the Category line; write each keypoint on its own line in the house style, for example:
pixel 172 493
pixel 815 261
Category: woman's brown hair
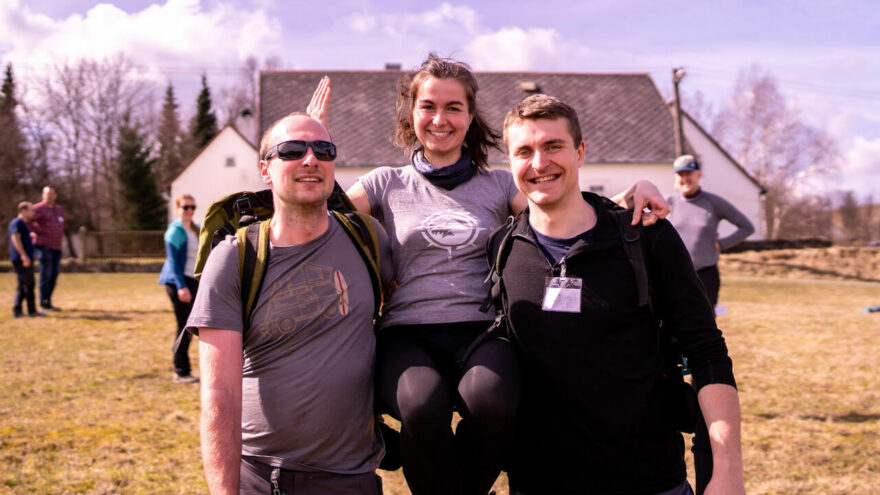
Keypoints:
pixel 479 137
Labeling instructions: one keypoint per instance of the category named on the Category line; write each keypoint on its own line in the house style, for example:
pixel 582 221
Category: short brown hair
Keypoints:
pixel 479 137
pixel 264 142
pixel 543 106
pixel 24 205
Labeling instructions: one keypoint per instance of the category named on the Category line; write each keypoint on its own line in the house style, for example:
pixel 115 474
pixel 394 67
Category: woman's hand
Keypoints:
pixel 184 296
pixel 317 108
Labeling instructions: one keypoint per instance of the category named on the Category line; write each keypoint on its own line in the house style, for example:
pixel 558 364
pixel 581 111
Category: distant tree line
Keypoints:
pixel 785 155
pixel 96 131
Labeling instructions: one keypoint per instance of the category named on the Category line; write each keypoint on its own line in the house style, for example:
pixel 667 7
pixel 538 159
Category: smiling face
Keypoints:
pixel 303 182
pixel 544 160
pixel 186 208
pixel 688 181
pixel 441 118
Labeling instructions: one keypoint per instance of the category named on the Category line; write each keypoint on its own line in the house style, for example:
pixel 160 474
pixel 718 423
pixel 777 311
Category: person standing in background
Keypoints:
pixel 21 253
pixel 181 247
pixel 695 215
pixel 48 227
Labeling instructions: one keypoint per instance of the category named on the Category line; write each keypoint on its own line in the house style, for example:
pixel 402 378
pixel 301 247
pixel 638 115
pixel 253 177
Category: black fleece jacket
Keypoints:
pixel 591 419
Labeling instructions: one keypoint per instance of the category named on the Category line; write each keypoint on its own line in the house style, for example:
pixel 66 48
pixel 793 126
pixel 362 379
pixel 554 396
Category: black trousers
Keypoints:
pixel 711 282
pixel 181 312
pixel 258 478
pixel 24 291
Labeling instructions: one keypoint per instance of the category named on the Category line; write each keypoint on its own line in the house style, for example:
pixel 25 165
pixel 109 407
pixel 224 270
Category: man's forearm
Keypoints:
pixel 220 365
pixel 720 406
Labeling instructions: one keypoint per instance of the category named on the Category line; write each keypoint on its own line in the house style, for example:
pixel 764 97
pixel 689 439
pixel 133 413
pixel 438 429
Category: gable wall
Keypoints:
pixel 208 178
pixel 724 178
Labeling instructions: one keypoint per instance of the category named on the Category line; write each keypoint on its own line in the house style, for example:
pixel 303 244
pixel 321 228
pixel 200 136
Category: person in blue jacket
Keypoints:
pixel 181 246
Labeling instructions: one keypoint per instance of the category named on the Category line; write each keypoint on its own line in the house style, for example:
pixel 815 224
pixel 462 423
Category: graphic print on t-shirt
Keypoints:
pixel 310 291
pixel 450 230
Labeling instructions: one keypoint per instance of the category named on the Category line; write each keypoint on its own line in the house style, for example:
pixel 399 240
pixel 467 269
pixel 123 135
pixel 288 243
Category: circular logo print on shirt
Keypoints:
pixel 450 230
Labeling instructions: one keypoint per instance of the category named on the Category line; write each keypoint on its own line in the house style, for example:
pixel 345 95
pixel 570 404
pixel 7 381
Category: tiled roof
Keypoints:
pixel 623 117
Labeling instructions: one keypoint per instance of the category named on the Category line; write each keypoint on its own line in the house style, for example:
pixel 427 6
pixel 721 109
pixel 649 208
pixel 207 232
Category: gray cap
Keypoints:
pixel 685 162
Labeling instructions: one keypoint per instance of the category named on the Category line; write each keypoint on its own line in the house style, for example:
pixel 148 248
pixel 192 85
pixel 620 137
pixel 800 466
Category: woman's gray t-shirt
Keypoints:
pixel 438 239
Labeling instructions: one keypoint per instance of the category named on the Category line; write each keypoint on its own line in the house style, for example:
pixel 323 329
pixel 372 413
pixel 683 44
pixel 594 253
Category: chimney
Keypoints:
pixel 530 87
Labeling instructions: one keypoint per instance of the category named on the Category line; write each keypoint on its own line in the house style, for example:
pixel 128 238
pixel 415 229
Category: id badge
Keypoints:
pixel 562 294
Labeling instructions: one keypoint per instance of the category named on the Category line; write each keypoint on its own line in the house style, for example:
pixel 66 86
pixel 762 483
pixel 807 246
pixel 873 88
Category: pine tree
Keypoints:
pixel 144 208
pixel 168 136
pixel 204 124
pixel 13 151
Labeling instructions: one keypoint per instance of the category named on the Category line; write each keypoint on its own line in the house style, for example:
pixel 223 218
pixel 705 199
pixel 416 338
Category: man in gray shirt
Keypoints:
pixel 696 214
pixel 290 400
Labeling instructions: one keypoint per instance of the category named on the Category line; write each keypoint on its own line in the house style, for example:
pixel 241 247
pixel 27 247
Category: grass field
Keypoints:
pixel 87 404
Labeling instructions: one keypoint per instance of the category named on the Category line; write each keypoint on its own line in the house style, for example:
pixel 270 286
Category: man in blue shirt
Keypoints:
pixel 21 252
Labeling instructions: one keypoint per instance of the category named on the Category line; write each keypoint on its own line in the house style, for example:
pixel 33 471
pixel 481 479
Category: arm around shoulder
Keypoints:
pixel 220 363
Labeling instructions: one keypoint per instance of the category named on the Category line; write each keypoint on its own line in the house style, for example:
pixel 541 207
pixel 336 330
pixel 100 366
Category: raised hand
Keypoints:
pixel 318 107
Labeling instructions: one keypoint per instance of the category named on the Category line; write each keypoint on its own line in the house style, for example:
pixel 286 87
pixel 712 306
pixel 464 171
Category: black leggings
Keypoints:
pixel 422 372
pixel 182 365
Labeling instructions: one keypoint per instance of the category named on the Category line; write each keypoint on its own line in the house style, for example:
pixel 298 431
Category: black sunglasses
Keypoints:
pixel 188 207
pixel 296 149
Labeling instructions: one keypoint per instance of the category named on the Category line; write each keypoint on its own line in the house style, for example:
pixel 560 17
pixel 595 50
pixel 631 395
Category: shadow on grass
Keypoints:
pixel 809 269
pixel 850 417
pixel 105 315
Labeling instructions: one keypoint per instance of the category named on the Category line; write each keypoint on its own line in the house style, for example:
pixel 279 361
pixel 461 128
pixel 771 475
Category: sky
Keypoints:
pixel 825 54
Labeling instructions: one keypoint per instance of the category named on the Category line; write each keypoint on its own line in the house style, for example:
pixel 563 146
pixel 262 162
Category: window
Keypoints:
pixel 230 161
pixel 600 190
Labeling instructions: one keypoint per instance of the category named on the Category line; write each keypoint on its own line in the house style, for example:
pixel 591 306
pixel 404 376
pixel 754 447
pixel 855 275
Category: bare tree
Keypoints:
pixel 808 217
pixel 769 138
pixel 83 104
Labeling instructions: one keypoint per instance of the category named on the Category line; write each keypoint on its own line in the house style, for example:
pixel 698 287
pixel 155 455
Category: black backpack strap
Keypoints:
pixel 497 249
pixel 631 236
pixel 362 231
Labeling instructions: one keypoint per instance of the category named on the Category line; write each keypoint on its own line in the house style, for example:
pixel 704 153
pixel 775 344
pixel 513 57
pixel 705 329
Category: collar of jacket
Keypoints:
pixel 603 235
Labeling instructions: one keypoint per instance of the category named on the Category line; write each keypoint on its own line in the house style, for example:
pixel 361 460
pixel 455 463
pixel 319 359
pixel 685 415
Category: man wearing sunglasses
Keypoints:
pixel 291 403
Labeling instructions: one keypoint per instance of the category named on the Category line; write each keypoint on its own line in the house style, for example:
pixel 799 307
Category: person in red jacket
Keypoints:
pixel 48 225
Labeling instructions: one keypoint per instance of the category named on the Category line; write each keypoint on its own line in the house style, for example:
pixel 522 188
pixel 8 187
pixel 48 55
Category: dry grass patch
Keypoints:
pixel 87 404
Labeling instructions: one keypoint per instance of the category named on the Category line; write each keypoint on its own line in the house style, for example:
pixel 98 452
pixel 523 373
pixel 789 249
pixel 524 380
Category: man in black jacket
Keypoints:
pixel 592 417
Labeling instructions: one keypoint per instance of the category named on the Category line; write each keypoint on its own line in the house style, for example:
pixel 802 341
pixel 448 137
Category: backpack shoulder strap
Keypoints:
pixel 253 258
pixel 362 231
pixel 631 236
pixel 497 249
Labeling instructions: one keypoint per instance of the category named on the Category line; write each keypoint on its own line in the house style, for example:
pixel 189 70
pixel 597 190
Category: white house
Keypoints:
pixel 627 127
pixel 228 163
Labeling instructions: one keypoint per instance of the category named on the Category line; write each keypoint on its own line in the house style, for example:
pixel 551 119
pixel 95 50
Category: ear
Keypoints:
pixel 581 154
pixel 264 172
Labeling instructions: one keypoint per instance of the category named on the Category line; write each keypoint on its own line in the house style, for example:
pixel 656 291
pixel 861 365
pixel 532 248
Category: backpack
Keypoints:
pixel 682 407
pixel 245 214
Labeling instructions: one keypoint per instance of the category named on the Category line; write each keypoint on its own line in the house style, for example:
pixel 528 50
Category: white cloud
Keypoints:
pixel 514 48
pixel 177 36
pixel 453 21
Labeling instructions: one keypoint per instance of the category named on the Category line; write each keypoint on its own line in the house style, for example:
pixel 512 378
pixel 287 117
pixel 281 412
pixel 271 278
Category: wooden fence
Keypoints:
pixel 118 244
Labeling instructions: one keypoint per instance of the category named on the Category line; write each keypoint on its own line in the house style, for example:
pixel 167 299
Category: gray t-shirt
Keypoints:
pixel 438 238
pixel 307 386
pixel 696 220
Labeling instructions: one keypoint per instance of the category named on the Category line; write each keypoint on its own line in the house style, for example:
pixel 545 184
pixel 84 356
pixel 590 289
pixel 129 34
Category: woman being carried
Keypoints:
pixel 438 213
